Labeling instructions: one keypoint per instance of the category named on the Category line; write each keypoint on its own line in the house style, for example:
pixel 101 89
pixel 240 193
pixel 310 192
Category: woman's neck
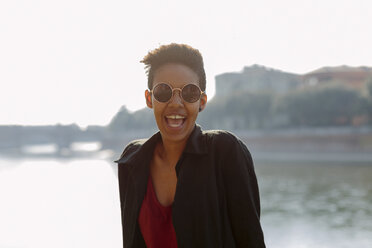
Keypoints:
pixel 170 152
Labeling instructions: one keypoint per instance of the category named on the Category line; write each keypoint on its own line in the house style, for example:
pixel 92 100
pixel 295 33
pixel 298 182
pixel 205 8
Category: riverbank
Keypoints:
pixel 334 144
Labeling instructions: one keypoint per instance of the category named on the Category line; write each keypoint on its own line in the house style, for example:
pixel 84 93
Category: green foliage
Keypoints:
pixel 238 111
pixel 369 87
pixel 140 120
pixel 317 106
pixel 369 100
pixel 323 106
pixel 120 120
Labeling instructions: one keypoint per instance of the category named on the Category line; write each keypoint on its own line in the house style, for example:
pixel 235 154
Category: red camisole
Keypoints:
pixel 155 221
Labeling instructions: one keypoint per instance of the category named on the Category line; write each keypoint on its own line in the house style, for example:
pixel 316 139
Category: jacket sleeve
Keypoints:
pixel 123 178
pixel 123 171
pixel 241 193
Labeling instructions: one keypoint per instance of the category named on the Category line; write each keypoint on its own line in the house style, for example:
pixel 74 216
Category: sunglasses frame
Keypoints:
pixel 173 89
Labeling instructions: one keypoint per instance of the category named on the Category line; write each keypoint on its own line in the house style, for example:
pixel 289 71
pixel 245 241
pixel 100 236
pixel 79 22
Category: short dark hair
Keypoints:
pixel 174 53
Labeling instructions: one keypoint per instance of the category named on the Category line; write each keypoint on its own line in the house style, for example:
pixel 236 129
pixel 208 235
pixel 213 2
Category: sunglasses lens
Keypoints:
pixel 191 93
pixel 162 92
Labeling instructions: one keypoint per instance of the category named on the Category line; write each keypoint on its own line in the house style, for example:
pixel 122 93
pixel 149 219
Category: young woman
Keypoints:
pixel 185 187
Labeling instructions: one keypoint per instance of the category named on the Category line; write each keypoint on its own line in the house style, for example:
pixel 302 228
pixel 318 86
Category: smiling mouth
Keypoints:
pixel 175 121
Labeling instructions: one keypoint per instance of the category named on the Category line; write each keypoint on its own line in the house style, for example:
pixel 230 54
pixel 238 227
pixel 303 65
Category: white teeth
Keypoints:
pixel 175 125
pixel 175 117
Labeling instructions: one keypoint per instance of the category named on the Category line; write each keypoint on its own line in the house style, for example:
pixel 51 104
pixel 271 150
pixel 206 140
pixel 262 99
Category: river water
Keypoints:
pixel 74 203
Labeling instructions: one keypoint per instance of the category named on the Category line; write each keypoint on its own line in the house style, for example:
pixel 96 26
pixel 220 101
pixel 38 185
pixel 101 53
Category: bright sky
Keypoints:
pixel 77 61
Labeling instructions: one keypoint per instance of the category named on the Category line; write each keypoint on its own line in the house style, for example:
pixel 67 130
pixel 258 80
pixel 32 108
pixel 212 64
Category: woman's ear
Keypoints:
pixel 148 97
pixel 203 102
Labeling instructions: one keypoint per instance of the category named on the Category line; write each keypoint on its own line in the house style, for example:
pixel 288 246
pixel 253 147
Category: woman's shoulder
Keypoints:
pixel 222 138
pixel 131 148
pixel 135 143
pixel 230 151
pixel 225 143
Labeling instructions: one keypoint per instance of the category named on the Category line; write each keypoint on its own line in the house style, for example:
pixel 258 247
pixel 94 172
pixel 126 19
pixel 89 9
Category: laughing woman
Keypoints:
pixel 185 187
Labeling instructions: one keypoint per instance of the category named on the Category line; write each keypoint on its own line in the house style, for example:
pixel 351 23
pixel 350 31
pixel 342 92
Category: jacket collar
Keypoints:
pixel 196 144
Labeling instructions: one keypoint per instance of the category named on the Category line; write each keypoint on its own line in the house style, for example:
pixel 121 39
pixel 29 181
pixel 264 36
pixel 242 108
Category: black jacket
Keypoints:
pixel 216 202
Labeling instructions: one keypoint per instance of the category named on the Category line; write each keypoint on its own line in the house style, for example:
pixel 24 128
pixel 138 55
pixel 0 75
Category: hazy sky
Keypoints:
pixel 77 61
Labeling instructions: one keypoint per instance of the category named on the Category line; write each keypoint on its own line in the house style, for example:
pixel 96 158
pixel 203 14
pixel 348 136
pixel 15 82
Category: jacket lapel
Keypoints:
pixel 139 170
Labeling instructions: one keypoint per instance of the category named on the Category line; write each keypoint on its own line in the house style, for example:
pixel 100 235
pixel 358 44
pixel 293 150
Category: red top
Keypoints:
pixel 155 221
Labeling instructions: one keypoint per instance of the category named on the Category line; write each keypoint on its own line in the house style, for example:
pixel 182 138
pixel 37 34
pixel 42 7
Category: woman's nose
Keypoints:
pixel 176 97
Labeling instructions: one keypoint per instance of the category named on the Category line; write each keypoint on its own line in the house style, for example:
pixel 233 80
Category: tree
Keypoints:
pixel 241 110
pixel 140 120
pixel 369 100
pixel 322 106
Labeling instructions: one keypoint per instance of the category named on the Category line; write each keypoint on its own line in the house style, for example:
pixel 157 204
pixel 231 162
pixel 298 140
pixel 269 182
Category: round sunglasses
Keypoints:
pixel 163 92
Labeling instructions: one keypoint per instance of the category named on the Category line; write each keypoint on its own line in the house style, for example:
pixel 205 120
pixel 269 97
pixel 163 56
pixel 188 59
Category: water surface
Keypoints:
pixel 316 205
pixel 75 203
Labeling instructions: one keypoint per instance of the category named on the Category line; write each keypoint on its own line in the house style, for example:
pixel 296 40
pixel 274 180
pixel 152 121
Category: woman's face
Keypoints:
pixel 175 118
